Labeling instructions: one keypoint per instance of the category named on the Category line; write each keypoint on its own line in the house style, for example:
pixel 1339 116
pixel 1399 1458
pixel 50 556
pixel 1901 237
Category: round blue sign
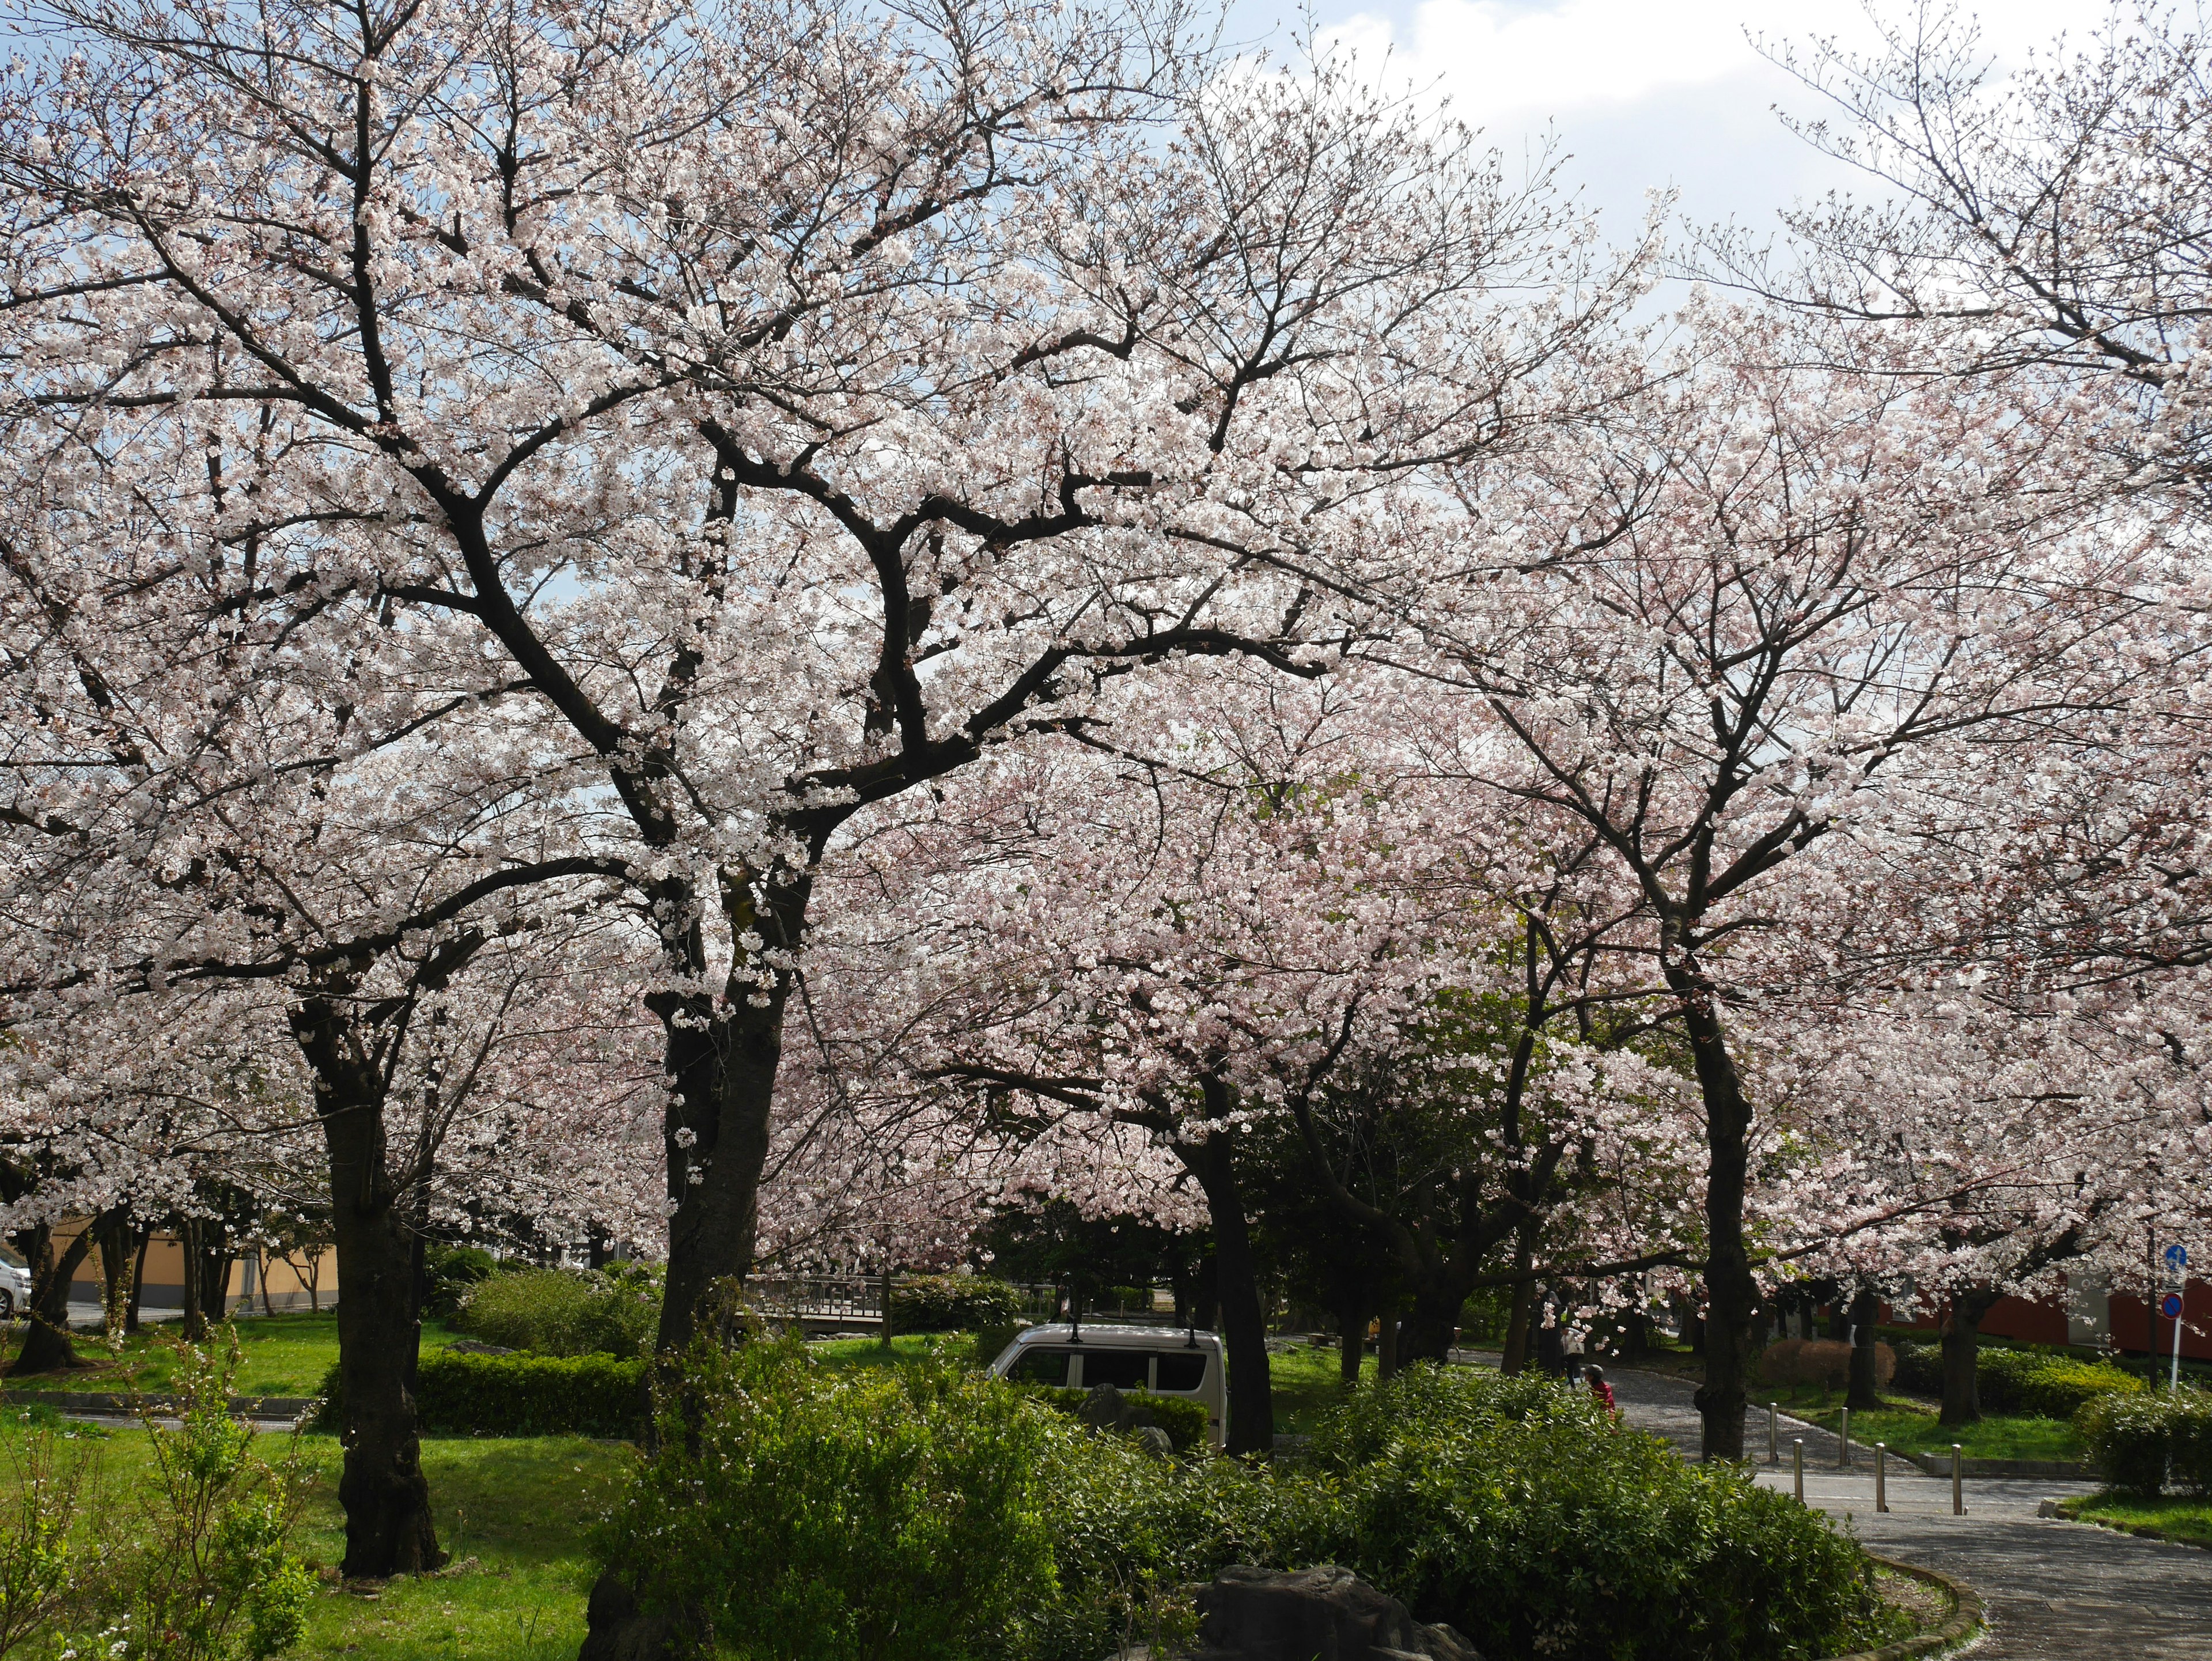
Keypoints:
pixel 2177 1257
pixel 2170 1306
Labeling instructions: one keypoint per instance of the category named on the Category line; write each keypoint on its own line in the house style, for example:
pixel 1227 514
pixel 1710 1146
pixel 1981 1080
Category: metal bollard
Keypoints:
pixel 1958 1482
pixel 1845 1462
pixel 1773 1448
pixel 1797 1465
pixel 1880 1476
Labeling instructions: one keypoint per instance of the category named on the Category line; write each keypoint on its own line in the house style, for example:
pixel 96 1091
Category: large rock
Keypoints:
pixel 1324 1614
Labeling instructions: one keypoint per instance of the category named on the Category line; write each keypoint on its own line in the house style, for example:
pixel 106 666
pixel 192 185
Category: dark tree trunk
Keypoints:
pixel 1515 1357
pixel 138 1281
pixel 722 1060
pixel 1388 1354
pixel 1731 1289
pixel 381 1488
pixel 1432 1325
pixel 45 1331
pixel 1251 1427
pixel 1351 1336
pixel 1962 1353
pixel 1205 1307
pixel 194 1325
pixel 119 1245
pixel 1866 1310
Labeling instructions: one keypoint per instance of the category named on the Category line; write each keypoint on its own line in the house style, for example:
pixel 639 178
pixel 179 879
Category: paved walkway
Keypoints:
pixel 2054 1590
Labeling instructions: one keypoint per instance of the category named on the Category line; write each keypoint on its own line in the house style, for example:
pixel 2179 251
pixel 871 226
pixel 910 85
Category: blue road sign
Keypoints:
pixel 2176 1258
pixel 2170 1306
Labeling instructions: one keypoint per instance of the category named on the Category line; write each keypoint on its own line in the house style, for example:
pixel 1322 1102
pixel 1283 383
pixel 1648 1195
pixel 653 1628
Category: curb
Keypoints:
pixel 91 1401
pixel 1938 1464
pixel 1965 1620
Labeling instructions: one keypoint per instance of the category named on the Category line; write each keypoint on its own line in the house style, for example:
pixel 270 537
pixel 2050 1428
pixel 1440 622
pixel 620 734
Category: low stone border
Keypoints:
pixel 1966 1618
pixel 1939 1464
pixel 93 1400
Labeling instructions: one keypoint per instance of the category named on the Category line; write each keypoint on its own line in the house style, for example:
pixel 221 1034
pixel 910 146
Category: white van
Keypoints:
pixel 1166 1361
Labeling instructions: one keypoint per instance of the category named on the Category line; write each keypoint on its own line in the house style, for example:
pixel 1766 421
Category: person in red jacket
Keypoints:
pixel 1594 1377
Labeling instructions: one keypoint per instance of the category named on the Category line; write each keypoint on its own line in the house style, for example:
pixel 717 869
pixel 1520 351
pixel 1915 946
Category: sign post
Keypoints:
pixel 2177 1260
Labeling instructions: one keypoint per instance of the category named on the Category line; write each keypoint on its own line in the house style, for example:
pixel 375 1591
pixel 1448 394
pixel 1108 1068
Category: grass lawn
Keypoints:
pixel 1305 1384
pixel 2174 1518
pixel 283 1354
pixel 519 1507
pixel 1908 1427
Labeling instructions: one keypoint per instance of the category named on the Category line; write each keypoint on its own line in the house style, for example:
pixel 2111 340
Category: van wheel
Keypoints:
pixel 7 1304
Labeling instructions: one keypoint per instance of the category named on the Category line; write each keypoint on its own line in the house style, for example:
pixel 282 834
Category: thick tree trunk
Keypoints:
pixel 1432 1325
pixel 381 1487
pixel 45 1330
pixel 120 1246
pixel 1866 1310
pixel 1731 1289
pixel 722 1060
pixel 1251 1427
pixel 1388 1355
pixel 1962 1354
pixel 1514 1358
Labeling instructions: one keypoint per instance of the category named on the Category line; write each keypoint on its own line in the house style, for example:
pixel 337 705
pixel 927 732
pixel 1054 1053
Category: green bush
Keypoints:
pixel 558 1312
pixel 795 1512
pixel 517 1395
pixel 453 1272
pixel 1920 1368
pixel 2135 1441
pixel 1522 1514
pixel 952 1303
pixel 1183 1419
pixel 2044 1385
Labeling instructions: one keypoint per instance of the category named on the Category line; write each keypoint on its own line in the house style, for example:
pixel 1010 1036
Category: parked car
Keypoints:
pixel 15 1284
pixel 1166 1361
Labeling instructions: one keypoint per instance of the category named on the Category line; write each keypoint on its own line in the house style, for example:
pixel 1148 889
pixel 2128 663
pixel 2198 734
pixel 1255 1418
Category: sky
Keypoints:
pixel 1651 93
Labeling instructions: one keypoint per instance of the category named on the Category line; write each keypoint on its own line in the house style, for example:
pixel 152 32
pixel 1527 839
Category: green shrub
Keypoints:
pixel 2044 1385
pixel 453 1272
pixel 795 1512
pixel 558 1311
pixel 1920 1368
pixel 952 1303
pixel 209 1573
pixel 517 1395
pixel 2135 1441
pixel 991 1340
pixel 1183 1419
pixel 1523 1515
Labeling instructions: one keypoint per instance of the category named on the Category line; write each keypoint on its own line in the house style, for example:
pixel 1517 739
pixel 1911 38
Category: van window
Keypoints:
pixel 1124 1369
pixel 1181 1369
pixel 1040 1366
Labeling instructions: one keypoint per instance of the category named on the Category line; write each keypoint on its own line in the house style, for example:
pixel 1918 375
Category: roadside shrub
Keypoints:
pixel 795 1512
pixel 1522 1514
pixel 2044 1385
pixel 558 1312
pixel 517 1395
pixel 453 1272
pixel 952 1303
pixel 48 1549
pixel 1823 1361
pixel 2134 1439
pixel 1183 1419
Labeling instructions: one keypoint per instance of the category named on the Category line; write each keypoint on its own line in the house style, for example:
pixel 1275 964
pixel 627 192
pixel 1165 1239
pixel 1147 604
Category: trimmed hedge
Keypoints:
pixel 2136 1439
pixel 952 1303
pixel 2043 1385
pixel 517 1395
pixel 2039 1384
pixel 1184 1420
